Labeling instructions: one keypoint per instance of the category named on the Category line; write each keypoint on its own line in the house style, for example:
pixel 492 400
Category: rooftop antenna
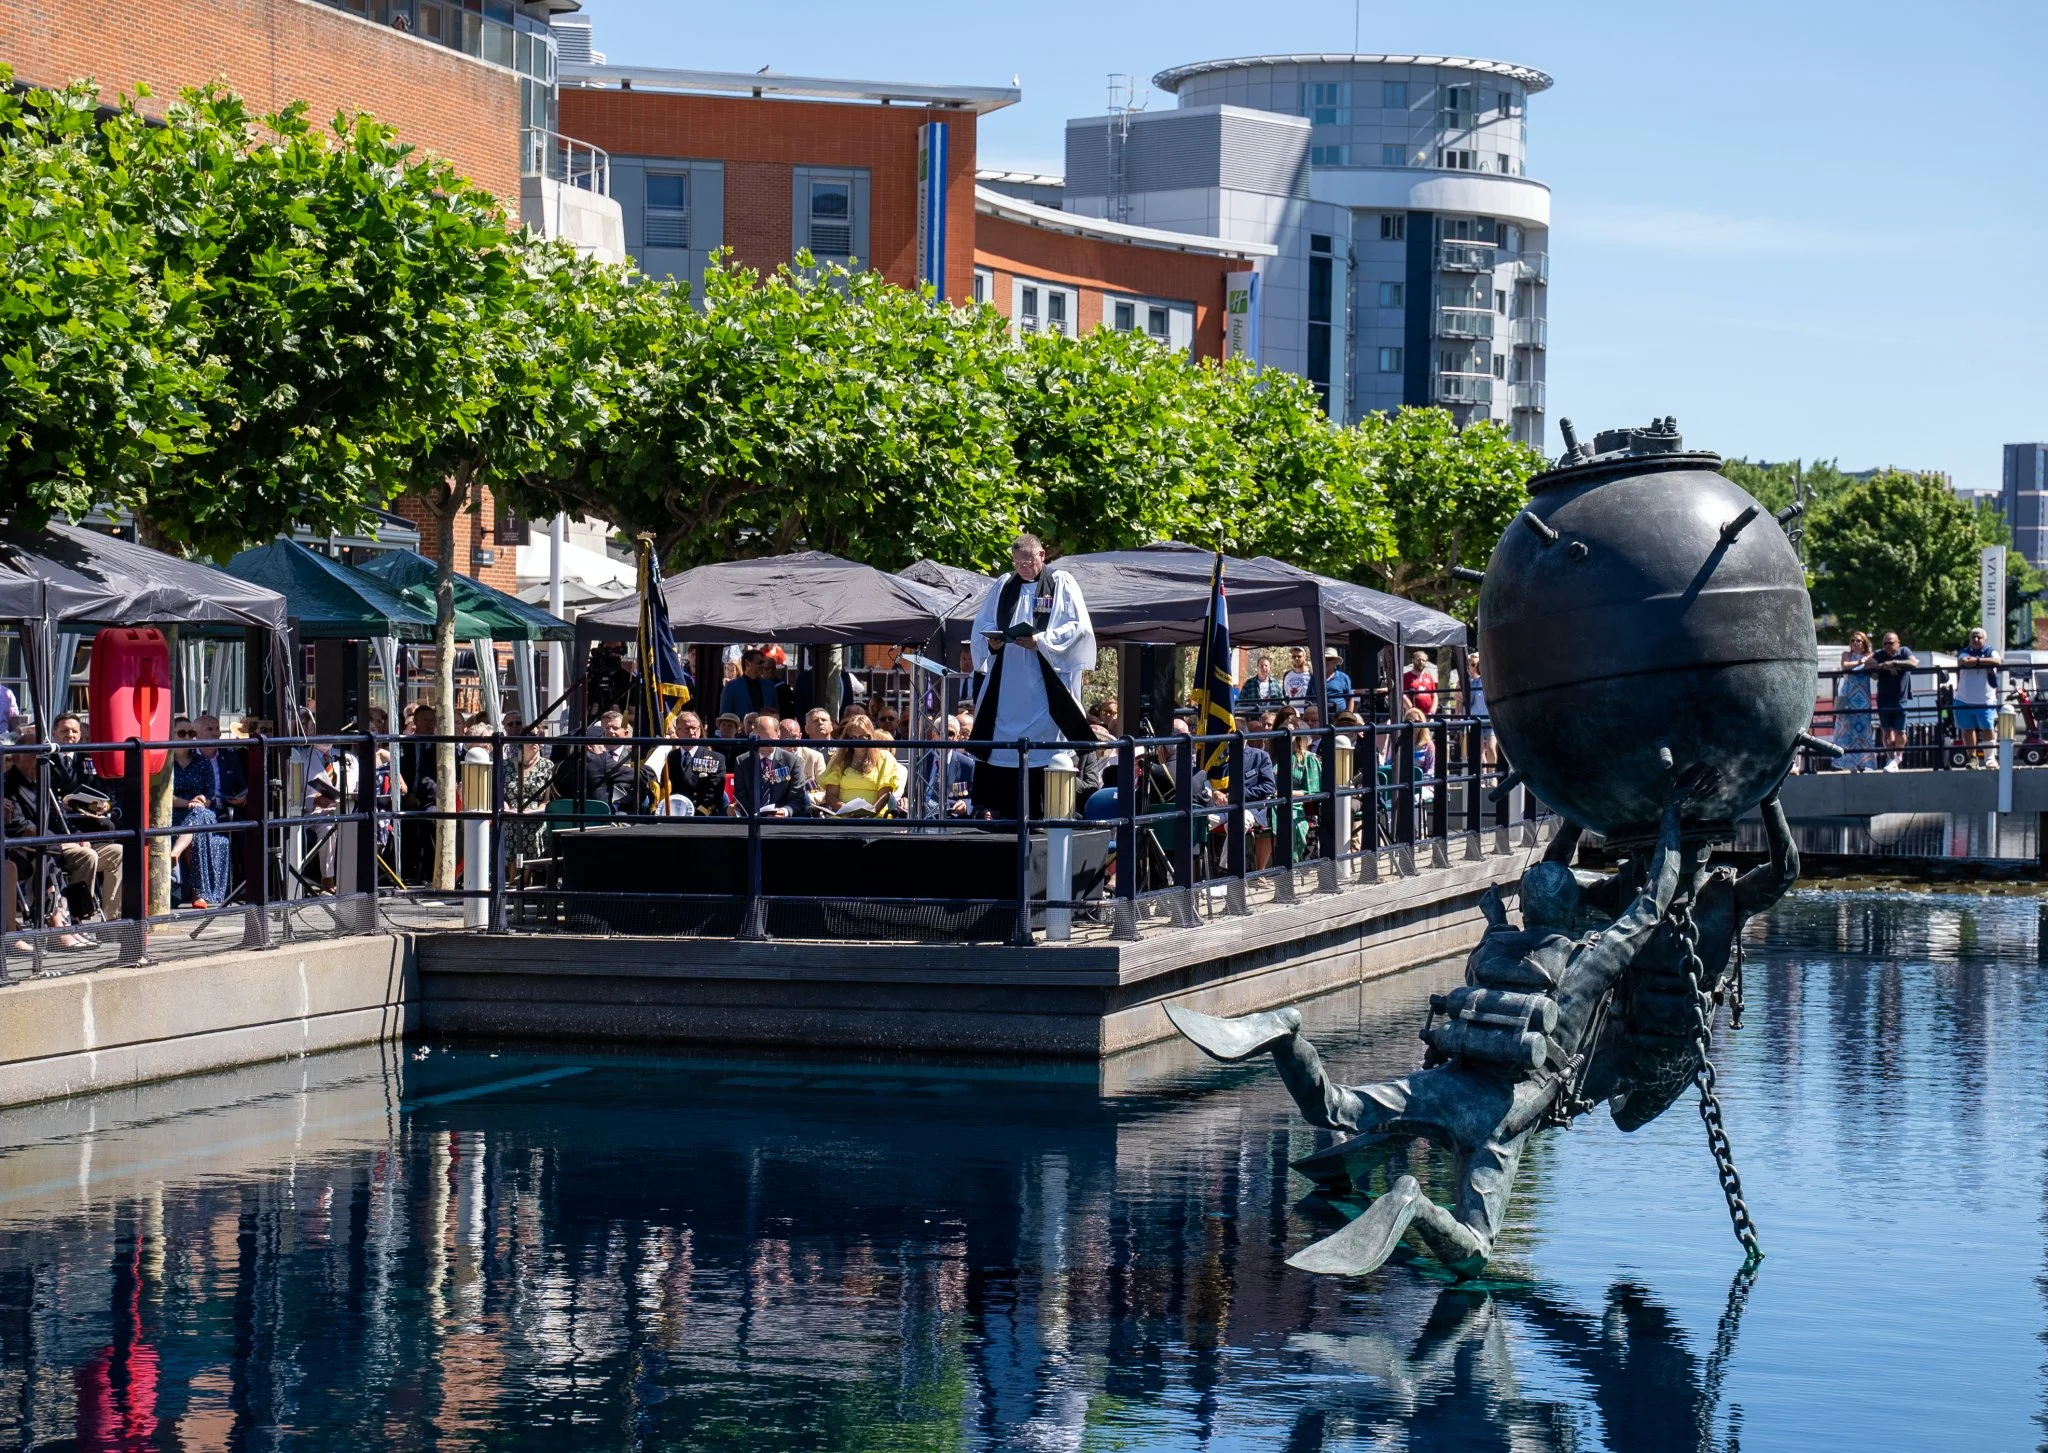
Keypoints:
pixel 1124 102
pixel 1356 5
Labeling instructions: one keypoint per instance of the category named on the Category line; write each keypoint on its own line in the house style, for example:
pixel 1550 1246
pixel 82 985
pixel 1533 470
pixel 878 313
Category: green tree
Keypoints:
pixel 1897 552
pixel 103 357
pixel 1449 492
pixel 329 267
pixel 810 408
pixel 1776 485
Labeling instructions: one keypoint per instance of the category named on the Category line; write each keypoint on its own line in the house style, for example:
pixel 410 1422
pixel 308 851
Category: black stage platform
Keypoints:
pixel 843 869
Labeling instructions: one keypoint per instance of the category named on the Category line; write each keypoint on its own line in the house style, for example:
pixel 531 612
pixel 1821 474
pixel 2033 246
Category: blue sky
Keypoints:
pixel 1805 229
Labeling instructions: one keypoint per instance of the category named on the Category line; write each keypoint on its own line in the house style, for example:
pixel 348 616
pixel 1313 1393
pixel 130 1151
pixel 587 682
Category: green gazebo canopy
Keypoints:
pixel 479 610
pixel 330 601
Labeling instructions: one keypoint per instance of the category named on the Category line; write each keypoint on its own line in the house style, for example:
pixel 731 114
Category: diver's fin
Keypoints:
pixel 1364 1246
pixel 1234 1039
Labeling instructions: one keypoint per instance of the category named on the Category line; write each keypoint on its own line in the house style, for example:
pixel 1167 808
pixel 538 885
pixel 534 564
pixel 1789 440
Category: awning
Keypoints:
pixel 480 611
pixel 590 578
pixel 81 578
pixel 804 599
pixel 330 601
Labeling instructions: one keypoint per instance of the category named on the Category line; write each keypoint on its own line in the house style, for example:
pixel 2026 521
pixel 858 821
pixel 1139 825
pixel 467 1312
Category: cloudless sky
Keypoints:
pixel 1806 229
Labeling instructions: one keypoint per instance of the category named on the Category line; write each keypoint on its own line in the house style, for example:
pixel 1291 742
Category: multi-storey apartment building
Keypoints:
pixel 1411 246
pixel 2024 500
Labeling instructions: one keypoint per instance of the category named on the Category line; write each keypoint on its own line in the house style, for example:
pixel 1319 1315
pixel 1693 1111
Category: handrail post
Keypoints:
pixel 1404 790
pixel 256 848
pixel 1124 913
pixel 1440 794
pixel 1369 825
pixel 1184 839
pixel 366 843
pixel 135 853
pixel 1332 853
pixel 1234 855
pixel 1474 777
pixel 755 926
pixel 1283 821
pixel 500 769
pixel 1020 934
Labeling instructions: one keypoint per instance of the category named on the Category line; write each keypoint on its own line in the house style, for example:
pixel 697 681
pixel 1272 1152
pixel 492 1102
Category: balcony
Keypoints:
pixel 1533 267
pixel 1527 398
pixel 558 158
pixel 1464 388
pixel 1532 332
pixel 1464 323
pixel 1464 257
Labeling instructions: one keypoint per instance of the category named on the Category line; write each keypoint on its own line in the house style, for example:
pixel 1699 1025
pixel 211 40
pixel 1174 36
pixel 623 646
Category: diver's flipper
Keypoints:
pixel 1234 1039
pixel 1364 1246
pixel 1350 1161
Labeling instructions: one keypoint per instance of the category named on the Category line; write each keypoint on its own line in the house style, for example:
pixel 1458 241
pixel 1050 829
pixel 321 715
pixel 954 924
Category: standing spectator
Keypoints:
pixel 1336 680
pixel 1262 692
pixel 768 778
pixel 1295 684
pixel 1418 683
pixel 749 691
pixel 529 786
pixel 1893 668
pixel 1976 698
pixel 1475 707
pixel 1855 730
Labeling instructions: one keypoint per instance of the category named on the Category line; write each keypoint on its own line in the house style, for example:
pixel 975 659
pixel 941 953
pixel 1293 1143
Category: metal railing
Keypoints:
pixel 1528 397
pixel 1464 322
pixel 1464 257
pixel 1533 267
pixel 1532 332
pixel 1464 388
pixel 1921 733
pixel 566 160
pixel 320 843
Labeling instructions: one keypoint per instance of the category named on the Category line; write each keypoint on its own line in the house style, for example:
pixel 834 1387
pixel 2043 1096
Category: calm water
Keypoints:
pixel 550 1251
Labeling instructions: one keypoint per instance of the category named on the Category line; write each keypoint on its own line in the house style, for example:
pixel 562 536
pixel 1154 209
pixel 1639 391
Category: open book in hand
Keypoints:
pixel 853 807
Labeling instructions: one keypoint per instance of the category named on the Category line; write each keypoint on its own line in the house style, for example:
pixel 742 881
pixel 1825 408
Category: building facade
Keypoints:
pixel 1411 248
pixel 2024 500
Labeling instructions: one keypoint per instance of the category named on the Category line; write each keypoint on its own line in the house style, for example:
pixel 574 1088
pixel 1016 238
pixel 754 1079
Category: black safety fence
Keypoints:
pixel 1922 727
pixel 271 840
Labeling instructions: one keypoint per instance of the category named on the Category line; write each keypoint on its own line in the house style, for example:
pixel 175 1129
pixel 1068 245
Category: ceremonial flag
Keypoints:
pixel 664 689
pixel 1215 687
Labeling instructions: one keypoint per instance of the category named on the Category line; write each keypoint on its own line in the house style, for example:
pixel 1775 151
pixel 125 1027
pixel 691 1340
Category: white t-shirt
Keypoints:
pixel 1975 685
pixel 1295 684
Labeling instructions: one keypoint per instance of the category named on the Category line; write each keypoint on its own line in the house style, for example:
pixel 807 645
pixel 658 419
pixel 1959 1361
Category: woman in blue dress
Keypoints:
pixel 195 798
pixel 1855 697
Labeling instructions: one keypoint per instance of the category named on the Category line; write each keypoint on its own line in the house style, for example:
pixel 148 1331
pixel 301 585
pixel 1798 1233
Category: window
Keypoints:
pixel 1326 105
pixel 430 22
pixel 1510 104
pixel 1322 267
pixel 1394 94
pixel 984 285
pixel 1042 308
pixel 1125 317
pixel 1165 322
pixel 1454 160
pixel 1456 98
pixel 1392 295
pixel 1158 322
pixel 1390 360
pixel 831 229
pixel 1503 163
pixel 1500 302
pixel 1392 153
pixel 1393 226
pixel 1500 365
pixel 666 219
pixel 1329 156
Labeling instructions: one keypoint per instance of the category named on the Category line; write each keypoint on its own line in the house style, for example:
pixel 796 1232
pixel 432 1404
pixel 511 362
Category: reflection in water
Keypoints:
pixel 542 1251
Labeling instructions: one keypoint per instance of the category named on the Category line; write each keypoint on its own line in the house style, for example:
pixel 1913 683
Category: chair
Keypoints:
pixel 571 807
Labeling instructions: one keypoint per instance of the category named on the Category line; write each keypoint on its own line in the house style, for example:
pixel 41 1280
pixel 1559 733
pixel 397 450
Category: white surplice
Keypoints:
pixel 1066 641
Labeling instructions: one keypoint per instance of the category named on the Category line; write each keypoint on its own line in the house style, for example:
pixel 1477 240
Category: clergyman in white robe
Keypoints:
pixel 1015 704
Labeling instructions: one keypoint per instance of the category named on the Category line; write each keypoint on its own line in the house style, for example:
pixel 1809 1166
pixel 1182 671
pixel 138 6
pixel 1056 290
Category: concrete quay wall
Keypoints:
pixel 112 1028
pixel 1083 1000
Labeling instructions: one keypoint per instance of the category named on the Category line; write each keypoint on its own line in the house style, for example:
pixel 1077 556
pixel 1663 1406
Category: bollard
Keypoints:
pixel 1340 834
pixel 1060 782
pixel 476 846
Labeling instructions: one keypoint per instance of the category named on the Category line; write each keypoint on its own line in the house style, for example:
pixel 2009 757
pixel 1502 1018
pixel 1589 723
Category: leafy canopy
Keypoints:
pixel 1898 552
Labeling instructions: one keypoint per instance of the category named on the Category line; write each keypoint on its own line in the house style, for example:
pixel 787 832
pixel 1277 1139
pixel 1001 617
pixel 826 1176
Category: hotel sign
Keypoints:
pixel 931 205
pixel 1241 315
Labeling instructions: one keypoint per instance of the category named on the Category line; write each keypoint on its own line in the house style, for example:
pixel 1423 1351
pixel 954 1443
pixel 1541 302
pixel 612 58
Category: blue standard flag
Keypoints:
pixel 664 685
pixel 1215 684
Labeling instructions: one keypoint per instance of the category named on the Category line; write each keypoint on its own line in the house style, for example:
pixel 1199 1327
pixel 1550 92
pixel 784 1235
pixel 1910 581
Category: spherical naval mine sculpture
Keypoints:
pixel 1641 615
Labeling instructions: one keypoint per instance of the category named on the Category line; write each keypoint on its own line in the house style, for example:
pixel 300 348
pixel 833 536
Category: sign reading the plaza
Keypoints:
pixel 931 205
pixel 1241 315
pixel 1991 594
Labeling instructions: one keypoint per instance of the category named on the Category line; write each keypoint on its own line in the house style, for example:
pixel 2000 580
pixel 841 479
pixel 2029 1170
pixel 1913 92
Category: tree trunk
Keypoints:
pixel 444 685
